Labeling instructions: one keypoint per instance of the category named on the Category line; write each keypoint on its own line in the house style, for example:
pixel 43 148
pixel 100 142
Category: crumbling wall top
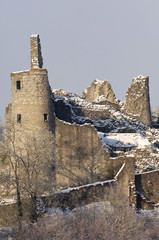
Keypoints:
pixel 99 88
pixel 137 102
pixel 36 55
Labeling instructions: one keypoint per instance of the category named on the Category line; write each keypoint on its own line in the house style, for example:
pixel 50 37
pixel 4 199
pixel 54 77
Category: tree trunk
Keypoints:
pixel 33 209
pixel 19 204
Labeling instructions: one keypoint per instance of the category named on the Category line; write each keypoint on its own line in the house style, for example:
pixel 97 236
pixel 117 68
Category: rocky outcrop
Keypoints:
pixel 137 104
pixel 99 88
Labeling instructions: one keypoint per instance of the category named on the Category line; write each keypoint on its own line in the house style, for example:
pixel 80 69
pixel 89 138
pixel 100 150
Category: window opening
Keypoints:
pixel 45 117
pixel 19 118
pixel 18 84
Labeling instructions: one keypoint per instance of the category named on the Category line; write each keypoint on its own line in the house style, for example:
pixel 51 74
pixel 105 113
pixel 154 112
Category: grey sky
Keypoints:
pixel 82 40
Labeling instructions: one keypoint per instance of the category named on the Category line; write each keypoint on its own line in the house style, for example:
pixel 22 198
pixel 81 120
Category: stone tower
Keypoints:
pixel 137 104
pixel 32 106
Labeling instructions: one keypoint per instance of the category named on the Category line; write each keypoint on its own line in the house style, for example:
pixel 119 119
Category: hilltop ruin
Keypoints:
pixel 98 138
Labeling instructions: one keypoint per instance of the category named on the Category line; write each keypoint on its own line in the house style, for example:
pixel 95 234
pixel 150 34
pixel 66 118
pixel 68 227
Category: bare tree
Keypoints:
pixel 1 129
pixel 95 221
pixel 31 166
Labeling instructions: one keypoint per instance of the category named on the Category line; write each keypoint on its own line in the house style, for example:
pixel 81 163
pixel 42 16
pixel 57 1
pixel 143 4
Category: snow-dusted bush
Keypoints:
pixel 98 221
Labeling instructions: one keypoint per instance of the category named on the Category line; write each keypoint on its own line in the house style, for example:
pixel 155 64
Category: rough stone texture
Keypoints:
pixel 81 157
pixel 137 104
pixel 145 159
pixel 36 55
pixel 67 106
pixel 90 113
pixel 63 93
pixel 33 98
pixel 147 184
pixel 99 88
pixel 67 112
pixel 103 101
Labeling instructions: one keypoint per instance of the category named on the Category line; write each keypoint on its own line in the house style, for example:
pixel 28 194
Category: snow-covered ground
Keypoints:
pixel 7 201
pixel 125 140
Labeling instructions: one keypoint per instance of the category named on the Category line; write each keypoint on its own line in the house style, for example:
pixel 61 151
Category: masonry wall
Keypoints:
pixel 137 104
pixel 99 88
pixel 35 52
pixel 148 185
pixel 80 156
pixel 112 190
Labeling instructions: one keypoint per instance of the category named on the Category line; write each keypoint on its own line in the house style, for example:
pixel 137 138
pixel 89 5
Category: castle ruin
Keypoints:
pixel 32 105
pixel 89 130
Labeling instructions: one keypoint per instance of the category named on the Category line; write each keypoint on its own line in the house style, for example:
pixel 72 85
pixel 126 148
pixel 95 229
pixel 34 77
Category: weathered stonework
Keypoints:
pixel 31 95
pixel 36 55
pixel 74 197
pixel 81 157
pixel 137 102
pixel 99 88
pixel 101 100
pixel 147 186
pixel 90 110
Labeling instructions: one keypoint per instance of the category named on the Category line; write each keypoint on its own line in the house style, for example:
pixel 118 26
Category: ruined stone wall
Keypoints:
pixel 96 192
pixel 147 184
pixel 111 190
pixel 35 52
pixel 137 104
pixel 80 156
pixel 100 191
pixel 66 111
pixel 93 114
pixel 106 102
pixel 99 88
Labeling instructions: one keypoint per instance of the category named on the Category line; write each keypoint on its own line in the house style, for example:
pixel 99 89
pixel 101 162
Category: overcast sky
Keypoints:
pixel 82 40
